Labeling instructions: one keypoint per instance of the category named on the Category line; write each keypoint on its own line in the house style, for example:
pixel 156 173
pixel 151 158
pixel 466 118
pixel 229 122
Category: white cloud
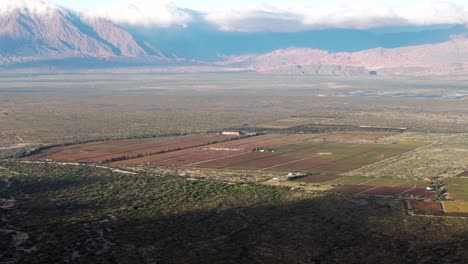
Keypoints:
pixel 257 18
pixel 347 15
pixel 161 13
pixel 439 12
pixel 30 7
pixel 164 13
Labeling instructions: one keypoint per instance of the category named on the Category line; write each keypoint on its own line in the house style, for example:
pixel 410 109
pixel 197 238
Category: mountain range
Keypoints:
pixel 59 37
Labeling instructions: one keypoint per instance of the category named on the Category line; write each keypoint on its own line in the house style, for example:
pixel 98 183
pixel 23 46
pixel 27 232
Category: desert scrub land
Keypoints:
pixel 103 106
pixel 446 157
pixel 80 214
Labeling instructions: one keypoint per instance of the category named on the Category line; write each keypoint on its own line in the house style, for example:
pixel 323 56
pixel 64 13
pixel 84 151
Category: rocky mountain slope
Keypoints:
pixel 442 58
pixel 25 35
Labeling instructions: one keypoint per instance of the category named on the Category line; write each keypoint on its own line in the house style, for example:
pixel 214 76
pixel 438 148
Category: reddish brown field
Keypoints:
pixel 161 157
pixel 232 161
pixel 306 158
pixel 101 151
pixel 243 145
pixel 194 160
pixel 351 189
pixel 427 207
pixel 307 165
pixel 239 149
pixel 463 174
pixel 367 155
pixel 208 153
pixel 385 191
pixel 285 158
pixel 275 152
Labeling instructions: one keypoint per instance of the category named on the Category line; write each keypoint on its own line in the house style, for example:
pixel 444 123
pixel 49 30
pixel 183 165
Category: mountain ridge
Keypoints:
pixel 37 33
pixel 443 58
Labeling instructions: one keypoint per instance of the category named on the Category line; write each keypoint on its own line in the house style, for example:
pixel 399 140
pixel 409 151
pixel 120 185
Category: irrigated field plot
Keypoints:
pixel 232 149
pixel 456 207
pixel 272 152
pixel 380 187
pixel 126 149
pixel 458 188
pixel 312 156
pixel 425 207
pixel 384 191
pixel 351 189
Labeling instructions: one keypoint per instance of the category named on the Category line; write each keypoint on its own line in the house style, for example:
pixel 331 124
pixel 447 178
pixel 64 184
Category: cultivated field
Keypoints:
pixel 367 186
pixel 458 195
pixel 425 207
pixel 99 152
pixel 447 156
pixel 456 207
pixel 310 156
pixel 457 188
pixel 271 152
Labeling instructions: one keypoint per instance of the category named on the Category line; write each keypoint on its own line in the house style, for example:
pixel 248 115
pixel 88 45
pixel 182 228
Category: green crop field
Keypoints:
pixel 386 182
pixel 416 183
pixel 458 188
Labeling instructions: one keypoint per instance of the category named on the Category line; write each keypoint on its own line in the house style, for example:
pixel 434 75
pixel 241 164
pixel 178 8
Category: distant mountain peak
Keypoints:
pixel 35 29
pixel 437 59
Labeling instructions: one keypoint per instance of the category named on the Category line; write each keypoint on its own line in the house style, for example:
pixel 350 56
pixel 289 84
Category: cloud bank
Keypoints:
pixel 347 15
pixel 157 13
pixel 30 7
pixel 164 13
pixel 161 13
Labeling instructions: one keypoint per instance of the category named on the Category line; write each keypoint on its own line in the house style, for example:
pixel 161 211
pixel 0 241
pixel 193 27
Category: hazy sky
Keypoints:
pixel 203 4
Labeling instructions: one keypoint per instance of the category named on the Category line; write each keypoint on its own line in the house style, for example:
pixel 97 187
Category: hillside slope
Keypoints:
pixel 28 36
pixel 442 58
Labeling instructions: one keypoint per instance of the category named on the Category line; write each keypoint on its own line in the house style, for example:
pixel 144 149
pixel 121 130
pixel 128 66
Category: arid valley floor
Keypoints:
pixel 134 168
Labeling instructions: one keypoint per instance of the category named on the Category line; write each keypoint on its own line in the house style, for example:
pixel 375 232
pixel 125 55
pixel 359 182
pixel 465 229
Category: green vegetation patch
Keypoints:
pixel 414 183
pixel 458 188
pixel 83 214
pixel 99 192
pixel 416 144
pixel 385 182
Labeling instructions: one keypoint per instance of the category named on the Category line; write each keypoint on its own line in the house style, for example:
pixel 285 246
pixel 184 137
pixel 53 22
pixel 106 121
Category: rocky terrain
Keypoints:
pixel 442 58
pixel 25 36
